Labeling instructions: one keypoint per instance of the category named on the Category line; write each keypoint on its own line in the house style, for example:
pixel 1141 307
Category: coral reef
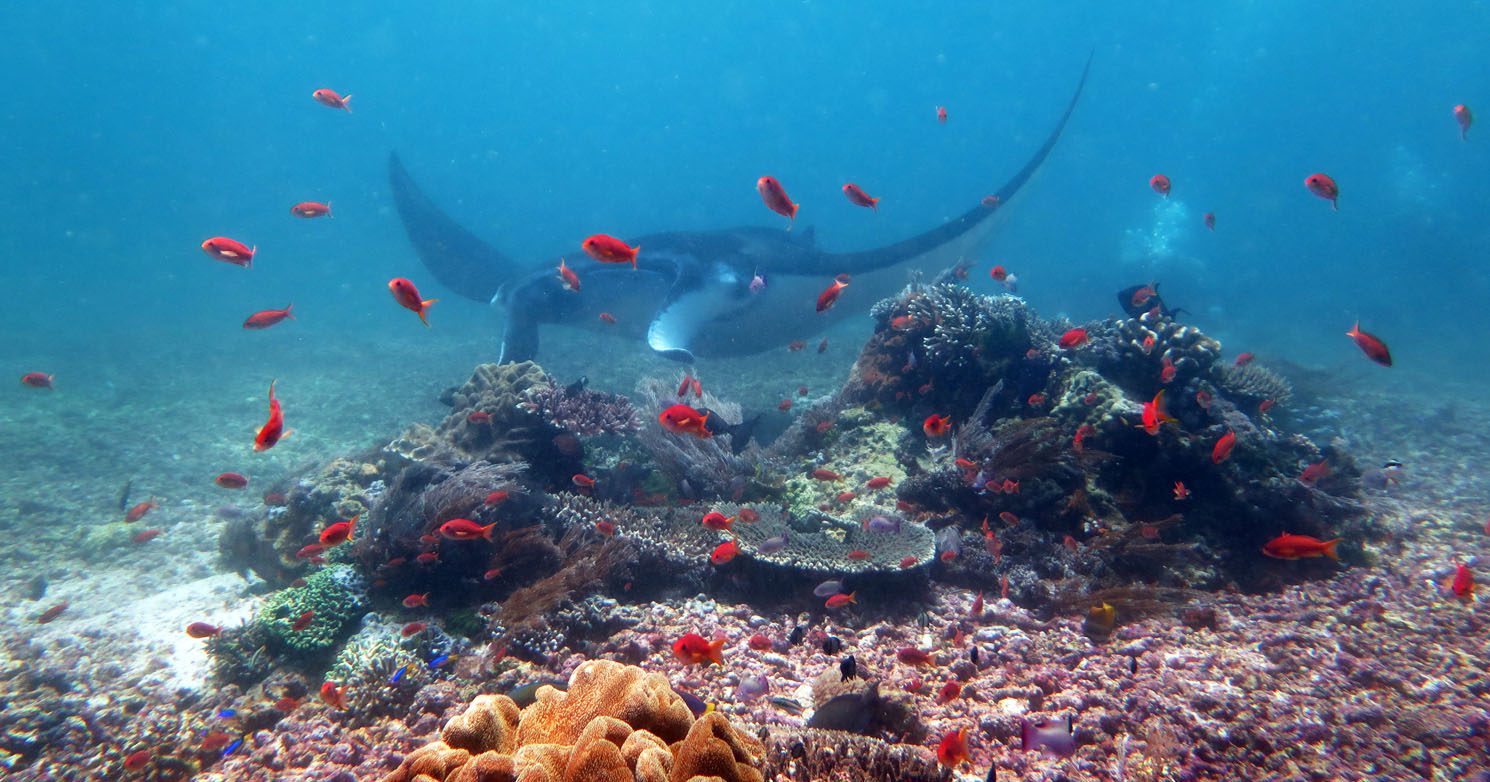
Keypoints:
pixel 697 467
pixel 334 596
pixel 819 546
pixel 1254 383
pixel 614 722
pixel 491 420
pixel 581 410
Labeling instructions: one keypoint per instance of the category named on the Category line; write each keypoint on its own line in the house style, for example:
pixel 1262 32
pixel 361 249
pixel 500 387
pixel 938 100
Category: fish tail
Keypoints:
pixel 716 652
pixel 289 307
pixel 1329 549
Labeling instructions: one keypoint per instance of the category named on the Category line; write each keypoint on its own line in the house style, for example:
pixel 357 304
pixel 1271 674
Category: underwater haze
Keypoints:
pixel 133 132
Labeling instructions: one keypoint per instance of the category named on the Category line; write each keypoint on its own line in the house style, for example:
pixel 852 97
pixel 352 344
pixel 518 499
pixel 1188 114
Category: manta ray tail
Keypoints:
pixel 456 257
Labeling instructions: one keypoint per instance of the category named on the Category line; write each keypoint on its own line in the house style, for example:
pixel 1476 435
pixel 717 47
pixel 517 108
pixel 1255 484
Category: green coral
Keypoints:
pixel 335 595
pixel 864 448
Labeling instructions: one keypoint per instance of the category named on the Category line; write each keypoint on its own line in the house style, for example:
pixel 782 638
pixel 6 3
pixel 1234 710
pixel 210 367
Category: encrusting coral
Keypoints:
pixel 615 723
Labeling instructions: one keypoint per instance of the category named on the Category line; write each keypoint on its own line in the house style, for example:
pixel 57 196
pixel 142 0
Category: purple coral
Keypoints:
pixel 583 411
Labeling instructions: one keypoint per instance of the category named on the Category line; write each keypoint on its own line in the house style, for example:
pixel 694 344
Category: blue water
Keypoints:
pixel 133 133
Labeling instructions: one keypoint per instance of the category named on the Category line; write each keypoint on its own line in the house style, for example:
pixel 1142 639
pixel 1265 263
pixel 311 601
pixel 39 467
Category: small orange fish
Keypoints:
pixel 1078 440
pixel 1371 345
pixel 1324 187
pixel 1243 359
pixel 37 380
pixel 1210 220
pixel 1465 118
pixel 138 511
pixel 775 198
pixel 303 621
pixel 231 480
pixel 784 405
pixel 1160 184
pixel 1265 405
pixel 146 535
pixel 748 515
pixel 407 295
pixel 718 522
pixel 796 345
pixel 417 601
pixel 427 557
pixel 1312 473
pixel 1300 547
pixel 694 649
pixel 232 251
pixel 496 498
pixel 202 630
pixel 273 429
pixel 329 98
pixel 1222 450
pixel 412 629
pixel 1154 415
pixel 830 294
pixel 608 319
pixel 1074 338
pixel 1180 492
pixel 609 249
pixel 45 617
pixel 858 555
pixel 332 696
pixel 941 114
pixel 465 529
pixel 858 197
pixel 137 760
pixel 839 601
pixel 910 655
pixel 877 482
pixel 998 273
pixel 1008 517
pixel 1036 399
pixel 937 425
pixel 217 739
pixel 340 532
pixel 478 417
pixel 605 527
pixel 583 481
pixel 724 552
pixel 949 692
pixel 1167 370
pixel 823 474
pixel 1462 582
pixel 263 319
pixel 310 209
pixel 568 278
pixel 1203 398
pixel 760 643
pixel 682 419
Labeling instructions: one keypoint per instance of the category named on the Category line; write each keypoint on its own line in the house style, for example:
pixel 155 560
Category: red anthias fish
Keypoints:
pixel 1074 338
pixel 609 249
pixel 329 98
pixel 407 297
pixel 937 425
pixel 202 630
pixel 774 195
pixel 839 601
pixel 52 613
pixel 694 649
pixel 1324 187
pixel 1314 472
pixel 941 114
pixel 139 510
pixel 465 529
pixel 263 319
pixel 274 429
pixel 568 277
pixel 608 319
pixel 137 760
pixel 1144 294
pixel 952 750
pixel 724 553
pixel 231 480
pixel 830 294
pixel 858 197
pixel 310 209
pixel 1210 220
pixel 1371 345
pixel 146 535
pixel 340 532
pixel 1154 415
pixel 682 419
pixel 1461 585
pixel 1465 118
pixel 413 628
pixel 230 251
pixel 877 482
pixel 1222 449
pixel 417 600
pixel 303 621
pixel 718 522
pixel 37 380
pixel 1300 547
pixel 1160 184
pixel 1243 359
pixel 332 696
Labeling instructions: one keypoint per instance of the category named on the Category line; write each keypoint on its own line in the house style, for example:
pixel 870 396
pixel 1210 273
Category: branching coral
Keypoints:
pixel 583 411
pixel 699 466
pixel 1253 383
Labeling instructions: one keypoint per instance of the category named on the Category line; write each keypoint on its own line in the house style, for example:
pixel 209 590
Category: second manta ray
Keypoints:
pixel 691 293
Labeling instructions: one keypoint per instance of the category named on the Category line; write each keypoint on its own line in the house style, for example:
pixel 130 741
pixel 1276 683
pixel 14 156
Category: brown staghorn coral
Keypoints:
pixel 616 723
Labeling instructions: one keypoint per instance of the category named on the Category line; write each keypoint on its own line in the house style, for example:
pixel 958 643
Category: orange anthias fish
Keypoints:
pixel 937 425
pixel 309 209
pixel 724 553
pixel 1167 370
pixel 1074 338
pixel 417 600
pixel 609 249
pixel 839 601
pixel 694 649
pixel 263 319
pixel 1154 415
pixel 303 621
pixel 1210 220
pixel 1314 472
pixel 858 197
pixel 1160 184
pixel 952 750
pixel 1180 491
pixel 230 251
pixel 1324 187
pixel 682 419
pixel 329 98
pixel 340 532
pixel 830 294
pixel 1461 585
pixel 37 380
pixel 774 195
pixel 1465 118
pixel 567 276
pixel 1222 450
pixel 274 429
pixel 332 696
pixel 941 114
pixel 465 529
pixel 202 630
pixel 138 511
pixel 1287 546
pixel 1371 345
pixel 718 522
pixel 407 296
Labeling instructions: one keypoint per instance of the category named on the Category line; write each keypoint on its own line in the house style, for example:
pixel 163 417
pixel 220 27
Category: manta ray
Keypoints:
pixel 690 294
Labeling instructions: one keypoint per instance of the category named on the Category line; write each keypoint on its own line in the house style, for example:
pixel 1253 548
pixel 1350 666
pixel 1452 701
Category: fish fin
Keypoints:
pixel 1329 549
pixel 288 313
pixel 716 652
pixel 456 257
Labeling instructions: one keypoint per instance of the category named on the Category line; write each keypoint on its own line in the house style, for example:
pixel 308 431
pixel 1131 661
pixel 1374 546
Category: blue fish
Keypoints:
pixel 439 661
pixel 227 714
pixel 398 675
pixel 231 748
